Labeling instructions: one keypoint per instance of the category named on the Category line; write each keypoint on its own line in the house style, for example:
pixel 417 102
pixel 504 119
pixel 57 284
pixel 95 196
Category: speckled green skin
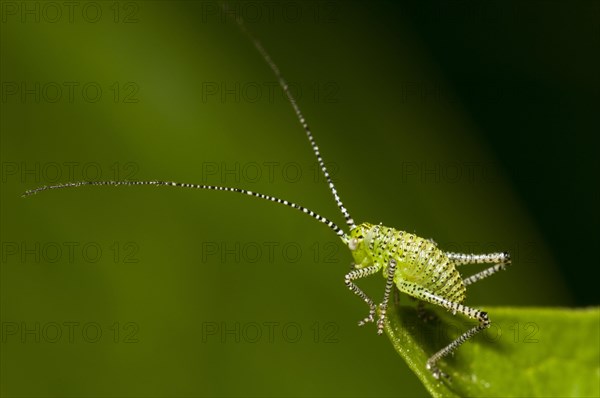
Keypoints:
pixel 420 263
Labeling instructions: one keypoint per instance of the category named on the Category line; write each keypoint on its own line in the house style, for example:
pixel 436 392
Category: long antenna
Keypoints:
pixel 303 209
pixel 284 86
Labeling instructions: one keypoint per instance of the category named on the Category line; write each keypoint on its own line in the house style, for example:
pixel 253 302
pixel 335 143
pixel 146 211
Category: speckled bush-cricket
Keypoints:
pixel 414 265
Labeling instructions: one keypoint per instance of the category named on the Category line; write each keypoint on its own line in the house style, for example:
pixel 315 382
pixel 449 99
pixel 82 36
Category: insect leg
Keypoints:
pixel 357 274
pixel 481 316
pixel 389 285
pixel 500 261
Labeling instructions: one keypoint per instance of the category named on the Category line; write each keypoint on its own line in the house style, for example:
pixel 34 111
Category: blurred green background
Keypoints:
pixel 471 124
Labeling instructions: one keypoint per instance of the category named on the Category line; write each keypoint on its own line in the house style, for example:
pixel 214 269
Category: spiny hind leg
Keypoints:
pixel 389 285
pixel 425 295
pixel 358 274
pixel 484 323
pixel 500 261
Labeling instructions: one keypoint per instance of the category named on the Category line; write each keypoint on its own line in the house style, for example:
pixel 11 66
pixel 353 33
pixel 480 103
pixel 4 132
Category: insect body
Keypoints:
pixel 417 261
pixel 414 265
pixel 417 267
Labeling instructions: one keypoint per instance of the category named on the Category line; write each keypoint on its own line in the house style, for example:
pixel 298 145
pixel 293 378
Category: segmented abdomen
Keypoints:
pixel 419 261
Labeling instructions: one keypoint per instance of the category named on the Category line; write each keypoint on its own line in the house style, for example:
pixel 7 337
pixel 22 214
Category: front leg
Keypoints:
pixel 386 296
pixel 357 274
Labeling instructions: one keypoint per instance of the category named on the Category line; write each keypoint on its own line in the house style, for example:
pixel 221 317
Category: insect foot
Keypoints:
pixel 435 371
pixel 370 318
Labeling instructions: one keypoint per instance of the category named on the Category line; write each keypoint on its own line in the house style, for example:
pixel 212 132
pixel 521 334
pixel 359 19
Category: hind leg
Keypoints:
pixel 500 261
pixel 425 295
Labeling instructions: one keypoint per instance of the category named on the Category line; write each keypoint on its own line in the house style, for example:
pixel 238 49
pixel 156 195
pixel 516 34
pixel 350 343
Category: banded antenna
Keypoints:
pixel 284 86
pixel 303 209
pixel 292 100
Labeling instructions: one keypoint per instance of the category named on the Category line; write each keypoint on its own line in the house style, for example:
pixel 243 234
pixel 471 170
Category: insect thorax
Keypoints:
pixel 418 260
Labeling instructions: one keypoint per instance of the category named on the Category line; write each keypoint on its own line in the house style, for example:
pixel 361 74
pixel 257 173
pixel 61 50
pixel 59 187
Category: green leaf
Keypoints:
pixel 526 352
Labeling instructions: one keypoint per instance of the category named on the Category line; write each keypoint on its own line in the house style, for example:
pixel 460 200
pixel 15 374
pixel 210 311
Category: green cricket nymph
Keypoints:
pixel 414 265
